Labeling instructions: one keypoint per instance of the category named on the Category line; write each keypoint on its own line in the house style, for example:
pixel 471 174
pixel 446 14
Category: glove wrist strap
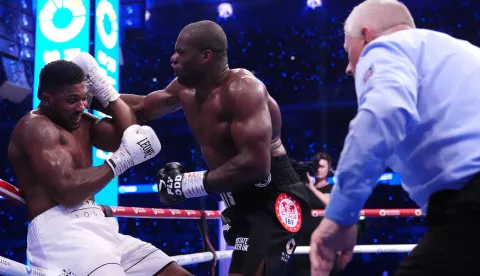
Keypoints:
pixel 120 161
pixel 192 184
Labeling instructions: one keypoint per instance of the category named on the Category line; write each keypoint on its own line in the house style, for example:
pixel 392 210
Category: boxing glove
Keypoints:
pixel 97 82
pixel 139 144
pixel 174 185
pixel 230 231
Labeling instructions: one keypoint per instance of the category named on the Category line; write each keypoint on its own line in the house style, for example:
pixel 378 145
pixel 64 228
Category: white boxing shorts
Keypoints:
pixel 81 241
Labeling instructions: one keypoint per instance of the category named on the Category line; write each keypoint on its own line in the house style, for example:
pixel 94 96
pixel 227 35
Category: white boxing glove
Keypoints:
pixel 97 82
pixel 139 144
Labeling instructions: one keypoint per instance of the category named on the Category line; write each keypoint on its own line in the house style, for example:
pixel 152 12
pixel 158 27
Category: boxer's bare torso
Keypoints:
pixel 211 116
pixel 34 135
pixel 238 110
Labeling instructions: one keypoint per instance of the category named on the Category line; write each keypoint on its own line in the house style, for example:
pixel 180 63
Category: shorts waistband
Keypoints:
pixel 282 171
pixel 42 221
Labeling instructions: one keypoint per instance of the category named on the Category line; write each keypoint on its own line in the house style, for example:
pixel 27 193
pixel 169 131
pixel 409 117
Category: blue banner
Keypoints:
pixel 107 54
pixel 62 31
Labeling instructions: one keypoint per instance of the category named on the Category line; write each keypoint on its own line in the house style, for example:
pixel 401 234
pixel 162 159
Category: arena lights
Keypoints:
pixel 314 3
pixel 225 10
pixel 147 15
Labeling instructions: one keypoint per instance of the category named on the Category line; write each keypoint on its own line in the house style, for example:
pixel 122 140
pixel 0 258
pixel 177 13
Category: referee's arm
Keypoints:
pixel 386 87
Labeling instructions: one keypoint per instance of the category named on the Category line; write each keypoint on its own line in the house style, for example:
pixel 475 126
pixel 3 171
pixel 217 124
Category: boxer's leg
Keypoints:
pixel 263 247
pixel 107 269
pixel 142 258
pixel 251 244
pixel 75 240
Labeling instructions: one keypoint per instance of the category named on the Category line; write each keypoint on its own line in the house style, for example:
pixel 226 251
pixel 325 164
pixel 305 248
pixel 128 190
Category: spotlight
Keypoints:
pixel 225 10
pixel 314 3
pixel 147 15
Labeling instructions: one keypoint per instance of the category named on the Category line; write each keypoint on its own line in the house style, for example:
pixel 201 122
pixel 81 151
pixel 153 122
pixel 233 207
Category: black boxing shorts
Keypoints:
pixel 263 223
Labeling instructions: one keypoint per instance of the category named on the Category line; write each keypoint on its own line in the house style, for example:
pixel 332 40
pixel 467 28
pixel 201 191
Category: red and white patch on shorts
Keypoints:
pixel 289 212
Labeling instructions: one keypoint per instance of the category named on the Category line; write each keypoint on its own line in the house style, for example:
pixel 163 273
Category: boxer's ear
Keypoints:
pixel 207 56
pixel 46 99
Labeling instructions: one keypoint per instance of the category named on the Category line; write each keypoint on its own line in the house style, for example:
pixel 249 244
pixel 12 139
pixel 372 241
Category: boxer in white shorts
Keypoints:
pixel 84 242
pixel 50 150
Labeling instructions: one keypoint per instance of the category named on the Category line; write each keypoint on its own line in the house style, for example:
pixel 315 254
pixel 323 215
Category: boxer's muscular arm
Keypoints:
pixel 251 129
pixel 153 105
pixel 55 168
pixel 106 133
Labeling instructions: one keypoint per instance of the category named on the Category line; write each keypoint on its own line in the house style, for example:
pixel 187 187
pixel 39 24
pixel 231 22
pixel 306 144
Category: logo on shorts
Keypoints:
pixel 288 250
pixel 4 262
pixel 288 212
pixel 241 244
pixel 67 272
pixel 290 246
pixel 265 182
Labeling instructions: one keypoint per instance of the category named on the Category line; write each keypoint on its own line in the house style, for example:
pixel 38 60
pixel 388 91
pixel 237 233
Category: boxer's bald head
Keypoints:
pixel 200 46
pixel 371 19
pixel 206 36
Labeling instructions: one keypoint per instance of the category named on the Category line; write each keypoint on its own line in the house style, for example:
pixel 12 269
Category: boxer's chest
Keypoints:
pixel 209 121
pixel 78 145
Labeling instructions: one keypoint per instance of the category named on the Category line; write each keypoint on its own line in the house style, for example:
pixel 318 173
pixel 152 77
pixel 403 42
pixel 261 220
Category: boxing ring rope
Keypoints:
pixel 12 268
pixel 9 267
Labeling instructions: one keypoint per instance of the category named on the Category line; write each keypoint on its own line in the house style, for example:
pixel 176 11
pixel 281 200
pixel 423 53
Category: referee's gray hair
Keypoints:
pixel 380 15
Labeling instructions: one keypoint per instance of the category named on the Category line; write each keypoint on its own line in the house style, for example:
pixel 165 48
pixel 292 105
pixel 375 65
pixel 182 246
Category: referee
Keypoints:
pixel 419 113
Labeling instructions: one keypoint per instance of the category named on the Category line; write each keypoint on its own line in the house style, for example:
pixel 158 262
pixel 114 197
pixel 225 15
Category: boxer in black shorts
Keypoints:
pixel 237 125
pixel 261 223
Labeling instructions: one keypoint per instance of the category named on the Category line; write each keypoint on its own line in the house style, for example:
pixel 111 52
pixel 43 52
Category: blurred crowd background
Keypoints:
pixel 296 50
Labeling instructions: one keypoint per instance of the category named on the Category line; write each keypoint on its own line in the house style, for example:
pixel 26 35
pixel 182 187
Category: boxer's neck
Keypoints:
pixel 50 114
pixel 212 80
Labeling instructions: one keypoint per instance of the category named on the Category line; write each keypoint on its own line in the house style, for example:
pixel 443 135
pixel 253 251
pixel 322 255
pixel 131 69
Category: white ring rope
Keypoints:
pixel 12 268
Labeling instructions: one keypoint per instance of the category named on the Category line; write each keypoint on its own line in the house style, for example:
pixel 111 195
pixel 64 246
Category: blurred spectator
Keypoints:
pixel 320 167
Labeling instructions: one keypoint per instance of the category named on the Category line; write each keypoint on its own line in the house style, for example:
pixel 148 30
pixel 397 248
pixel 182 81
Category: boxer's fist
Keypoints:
pixel 139 144
pixel 97 82
pixel 169 182
pixel 174 185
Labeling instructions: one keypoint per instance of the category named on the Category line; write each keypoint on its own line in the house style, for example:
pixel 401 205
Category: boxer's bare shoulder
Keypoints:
pixel 41 154
pixel 244 81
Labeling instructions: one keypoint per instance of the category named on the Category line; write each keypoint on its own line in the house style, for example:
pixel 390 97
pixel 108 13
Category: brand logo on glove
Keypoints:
pixel 89 80
pixel 289 212
pixel 146 147
pixel 174 187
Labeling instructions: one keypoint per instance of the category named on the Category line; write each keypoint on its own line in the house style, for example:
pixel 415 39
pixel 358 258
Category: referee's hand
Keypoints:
pixel 328 239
